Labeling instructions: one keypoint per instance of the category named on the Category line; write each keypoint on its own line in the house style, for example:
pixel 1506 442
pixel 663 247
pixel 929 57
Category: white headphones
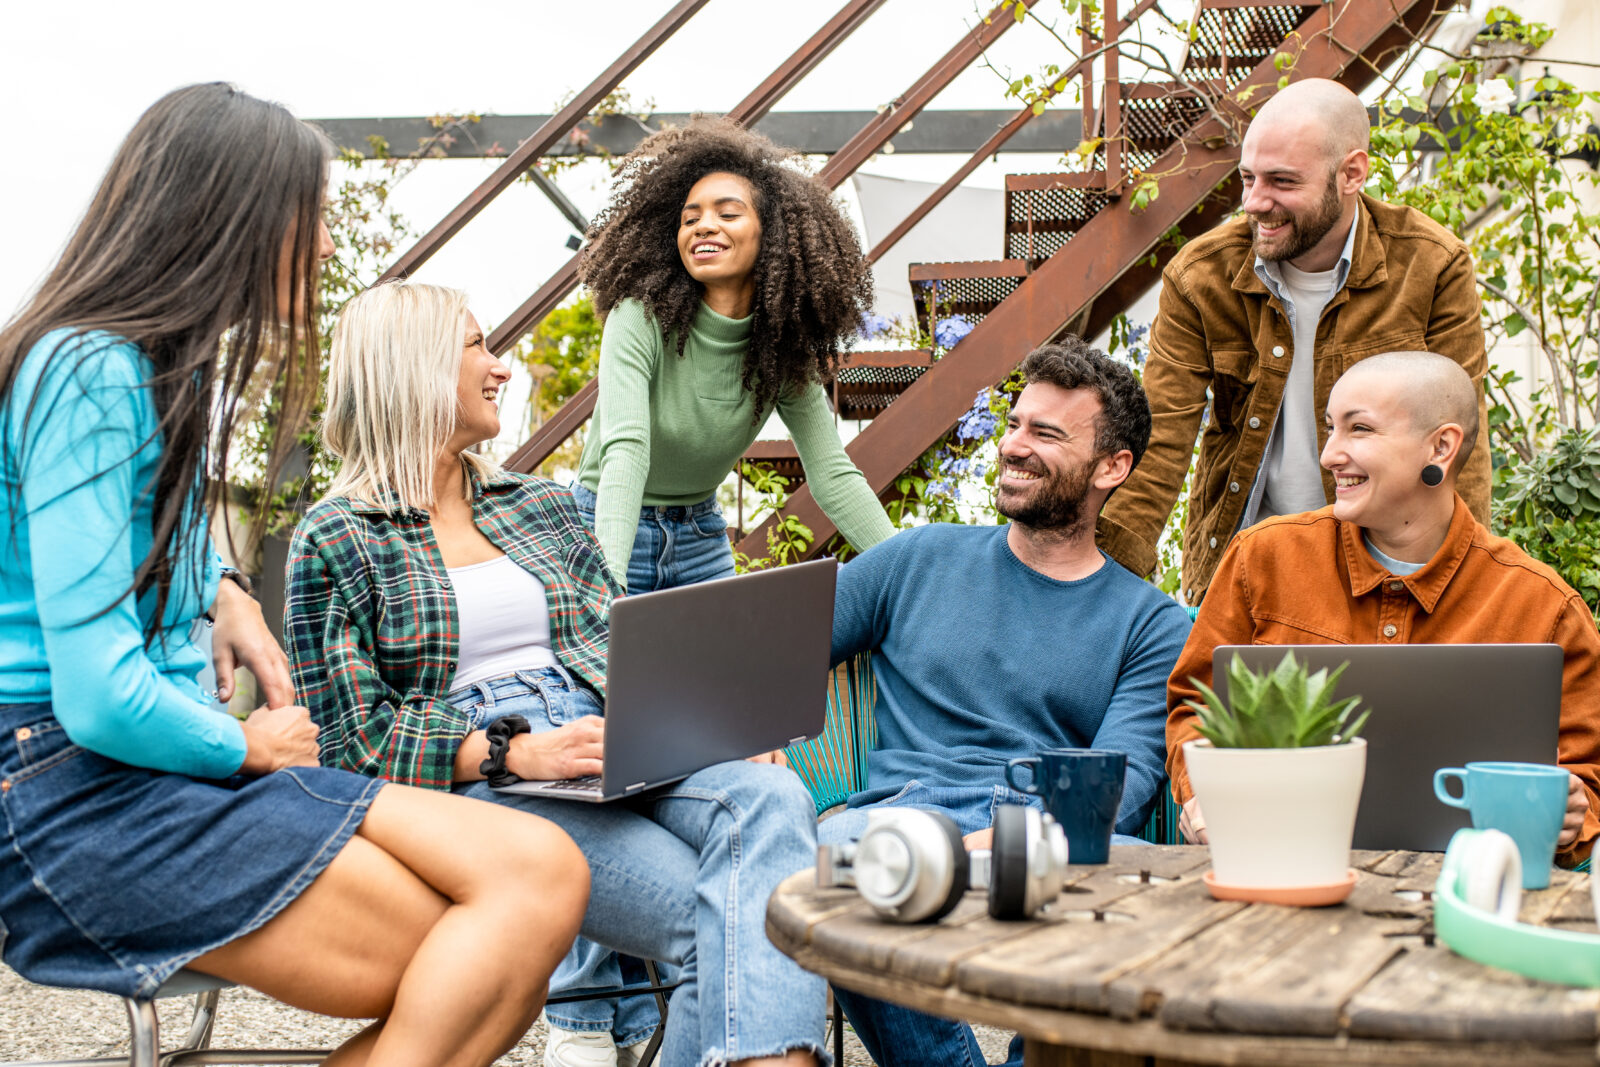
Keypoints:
pixel 1475 905
pixel 912 866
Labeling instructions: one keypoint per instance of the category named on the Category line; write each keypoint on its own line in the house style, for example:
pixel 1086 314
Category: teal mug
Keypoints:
pixel 1528 801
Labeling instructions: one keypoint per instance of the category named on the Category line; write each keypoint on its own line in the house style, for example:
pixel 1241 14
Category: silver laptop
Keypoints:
pixel 708 673
pixel 1432 706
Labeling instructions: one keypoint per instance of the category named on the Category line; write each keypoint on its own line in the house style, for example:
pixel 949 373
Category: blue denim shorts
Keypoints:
pixel 113 877
pixel 547 697
pixel 674 546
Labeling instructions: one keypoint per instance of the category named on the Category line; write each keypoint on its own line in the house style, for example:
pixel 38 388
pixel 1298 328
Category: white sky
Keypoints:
pixel 74 77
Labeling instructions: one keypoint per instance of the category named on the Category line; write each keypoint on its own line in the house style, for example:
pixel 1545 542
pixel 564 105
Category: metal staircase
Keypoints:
pixel 1079 251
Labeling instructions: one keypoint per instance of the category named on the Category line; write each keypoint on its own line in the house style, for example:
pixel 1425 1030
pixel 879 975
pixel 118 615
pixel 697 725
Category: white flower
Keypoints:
pixel 1495 97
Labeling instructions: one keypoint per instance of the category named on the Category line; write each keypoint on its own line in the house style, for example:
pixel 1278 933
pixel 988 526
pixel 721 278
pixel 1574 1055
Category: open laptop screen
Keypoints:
pixel 1432 706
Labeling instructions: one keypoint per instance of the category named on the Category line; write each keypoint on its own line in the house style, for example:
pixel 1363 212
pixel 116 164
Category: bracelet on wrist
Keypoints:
pixel 237 577
pixel 500 732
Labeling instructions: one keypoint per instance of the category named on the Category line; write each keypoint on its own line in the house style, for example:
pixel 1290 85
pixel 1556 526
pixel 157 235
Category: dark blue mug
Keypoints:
pixel 1082 789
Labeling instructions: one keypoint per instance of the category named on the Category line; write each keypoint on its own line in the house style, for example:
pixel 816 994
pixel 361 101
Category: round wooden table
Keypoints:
pixel 1136 964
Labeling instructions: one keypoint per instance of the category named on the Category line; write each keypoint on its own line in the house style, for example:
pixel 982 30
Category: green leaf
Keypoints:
pixel 1286 707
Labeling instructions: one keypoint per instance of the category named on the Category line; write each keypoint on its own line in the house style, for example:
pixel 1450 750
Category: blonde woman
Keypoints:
pixel 434 600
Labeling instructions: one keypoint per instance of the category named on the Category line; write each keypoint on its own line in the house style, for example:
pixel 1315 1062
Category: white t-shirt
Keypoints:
pixel 1294 470
pixel 504 619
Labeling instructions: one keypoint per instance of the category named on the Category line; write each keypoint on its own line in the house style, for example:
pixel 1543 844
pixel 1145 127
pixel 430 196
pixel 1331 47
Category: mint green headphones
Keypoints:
pixel 1475 905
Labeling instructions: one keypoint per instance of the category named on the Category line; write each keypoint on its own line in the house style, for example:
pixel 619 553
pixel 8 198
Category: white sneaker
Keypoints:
pixel 580 1048
pixel 632 1055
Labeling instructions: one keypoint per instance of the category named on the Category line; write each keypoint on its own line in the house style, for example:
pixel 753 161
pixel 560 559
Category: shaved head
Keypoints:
pixel 1332 115
pixel 1433 390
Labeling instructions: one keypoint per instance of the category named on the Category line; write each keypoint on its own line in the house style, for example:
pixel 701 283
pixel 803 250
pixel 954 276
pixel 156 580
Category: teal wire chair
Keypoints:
pixel 834 764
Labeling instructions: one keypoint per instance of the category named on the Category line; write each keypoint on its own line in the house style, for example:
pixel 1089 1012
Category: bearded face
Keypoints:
pixel 1048 459
pixel 1284 233
pixel 1030 493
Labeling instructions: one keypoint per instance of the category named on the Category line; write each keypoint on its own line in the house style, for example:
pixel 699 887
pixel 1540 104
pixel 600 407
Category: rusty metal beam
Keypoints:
pixel 1333 40
pixel 1134 282
pixel 875 134
pixel 556 429
pixel 839 167
pixel 528 153
pixel 805 60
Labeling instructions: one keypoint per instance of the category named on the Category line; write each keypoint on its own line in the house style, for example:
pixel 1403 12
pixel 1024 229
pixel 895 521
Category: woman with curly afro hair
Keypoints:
pixel 730 284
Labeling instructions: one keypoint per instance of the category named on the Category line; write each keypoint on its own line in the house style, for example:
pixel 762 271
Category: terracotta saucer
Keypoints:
pixel 1296 896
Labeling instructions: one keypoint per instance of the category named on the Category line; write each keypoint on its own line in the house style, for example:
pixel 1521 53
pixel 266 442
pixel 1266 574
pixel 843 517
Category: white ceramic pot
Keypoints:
pixel 1278 817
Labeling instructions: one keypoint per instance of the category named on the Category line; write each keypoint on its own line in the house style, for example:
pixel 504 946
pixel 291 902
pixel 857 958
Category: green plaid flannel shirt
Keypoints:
pixel 370 620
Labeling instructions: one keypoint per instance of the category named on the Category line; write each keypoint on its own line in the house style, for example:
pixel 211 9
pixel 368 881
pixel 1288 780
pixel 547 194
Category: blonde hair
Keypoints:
pixel 391 403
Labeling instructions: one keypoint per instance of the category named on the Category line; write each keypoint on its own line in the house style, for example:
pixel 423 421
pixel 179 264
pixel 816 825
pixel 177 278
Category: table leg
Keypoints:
pixel 1039 1054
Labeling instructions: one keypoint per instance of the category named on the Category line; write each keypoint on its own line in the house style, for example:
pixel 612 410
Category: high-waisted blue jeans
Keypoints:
pixel 674 546
pixel 683 876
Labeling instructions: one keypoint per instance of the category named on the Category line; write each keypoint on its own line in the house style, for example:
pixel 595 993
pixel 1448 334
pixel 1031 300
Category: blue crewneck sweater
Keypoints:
pixel 980 659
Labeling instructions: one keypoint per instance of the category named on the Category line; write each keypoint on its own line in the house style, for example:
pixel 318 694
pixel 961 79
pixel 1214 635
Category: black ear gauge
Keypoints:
pixel 1432 474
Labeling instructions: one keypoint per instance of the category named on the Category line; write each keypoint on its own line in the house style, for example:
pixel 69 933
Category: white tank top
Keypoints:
pixel 504 619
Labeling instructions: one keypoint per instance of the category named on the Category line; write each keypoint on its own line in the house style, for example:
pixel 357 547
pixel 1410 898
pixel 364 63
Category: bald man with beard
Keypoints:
pixel 1397 559
pixel 1260 316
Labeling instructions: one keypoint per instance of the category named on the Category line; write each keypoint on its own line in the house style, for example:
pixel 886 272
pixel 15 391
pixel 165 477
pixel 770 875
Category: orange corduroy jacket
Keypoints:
pixel 1308 579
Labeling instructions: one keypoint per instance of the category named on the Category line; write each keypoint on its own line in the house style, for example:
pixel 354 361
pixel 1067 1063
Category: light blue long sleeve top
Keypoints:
pixel 980 659
pixel 75 521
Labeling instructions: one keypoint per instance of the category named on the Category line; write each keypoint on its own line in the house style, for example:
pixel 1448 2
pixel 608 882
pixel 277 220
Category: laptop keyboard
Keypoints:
pixel 589 783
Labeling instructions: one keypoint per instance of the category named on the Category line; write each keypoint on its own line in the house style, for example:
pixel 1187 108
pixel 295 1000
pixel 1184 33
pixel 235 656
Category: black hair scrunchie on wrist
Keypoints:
pixel 500 733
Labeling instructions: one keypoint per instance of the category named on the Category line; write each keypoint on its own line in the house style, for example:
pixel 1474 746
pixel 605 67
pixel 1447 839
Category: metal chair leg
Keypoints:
pixel 205 1018
pixel 144 1033
pixel 650 1050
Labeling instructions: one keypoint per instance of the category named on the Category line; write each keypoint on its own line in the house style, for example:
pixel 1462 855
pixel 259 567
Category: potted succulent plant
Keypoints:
pixel 1279 776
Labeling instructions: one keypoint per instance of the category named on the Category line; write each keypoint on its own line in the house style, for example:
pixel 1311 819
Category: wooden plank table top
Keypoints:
pixel 1137 964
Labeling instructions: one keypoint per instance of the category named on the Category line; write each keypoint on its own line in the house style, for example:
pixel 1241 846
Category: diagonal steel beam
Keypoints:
pixel 528 153
pixel 877 133
pixel 1338 40
pixel 872 137
pixel 759 101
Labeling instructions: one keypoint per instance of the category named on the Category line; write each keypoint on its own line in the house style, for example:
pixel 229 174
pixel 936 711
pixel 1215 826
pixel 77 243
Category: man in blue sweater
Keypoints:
pixel 993 643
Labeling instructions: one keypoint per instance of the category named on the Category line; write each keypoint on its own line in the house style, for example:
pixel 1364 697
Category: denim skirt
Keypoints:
pixel 113 877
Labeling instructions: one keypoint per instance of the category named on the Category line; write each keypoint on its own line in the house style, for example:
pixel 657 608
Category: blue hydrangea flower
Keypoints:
pixel 979 422
pixel 949 332
pixel 875 325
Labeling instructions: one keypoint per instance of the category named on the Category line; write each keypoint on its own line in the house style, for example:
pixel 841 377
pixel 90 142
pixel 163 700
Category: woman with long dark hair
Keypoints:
pixel 143 831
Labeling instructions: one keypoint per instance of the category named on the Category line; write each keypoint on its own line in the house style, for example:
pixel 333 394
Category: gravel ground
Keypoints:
pixel 38 1023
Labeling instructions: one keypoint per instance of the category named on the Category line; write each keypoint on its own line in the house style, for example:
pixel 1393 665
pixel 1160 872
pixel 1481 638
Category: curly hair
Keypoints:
pixel 1072 363
pixel 812 284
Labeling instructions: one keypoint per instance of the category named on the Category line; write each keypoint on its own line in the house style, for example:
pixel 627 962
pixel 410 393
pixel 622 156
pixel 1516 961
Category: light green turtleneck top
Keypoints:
pixel 666 431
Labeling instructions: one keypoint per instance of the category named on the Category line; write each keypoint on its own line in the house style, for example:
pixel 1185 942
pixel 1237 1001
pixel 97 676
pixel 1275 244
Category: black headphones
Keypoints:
pixel 912 866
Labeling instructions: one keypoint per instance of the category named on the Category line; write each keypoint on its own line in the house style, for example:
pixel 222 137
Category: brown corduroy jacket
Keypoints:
pixel 1411 287
pixel 1308 580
